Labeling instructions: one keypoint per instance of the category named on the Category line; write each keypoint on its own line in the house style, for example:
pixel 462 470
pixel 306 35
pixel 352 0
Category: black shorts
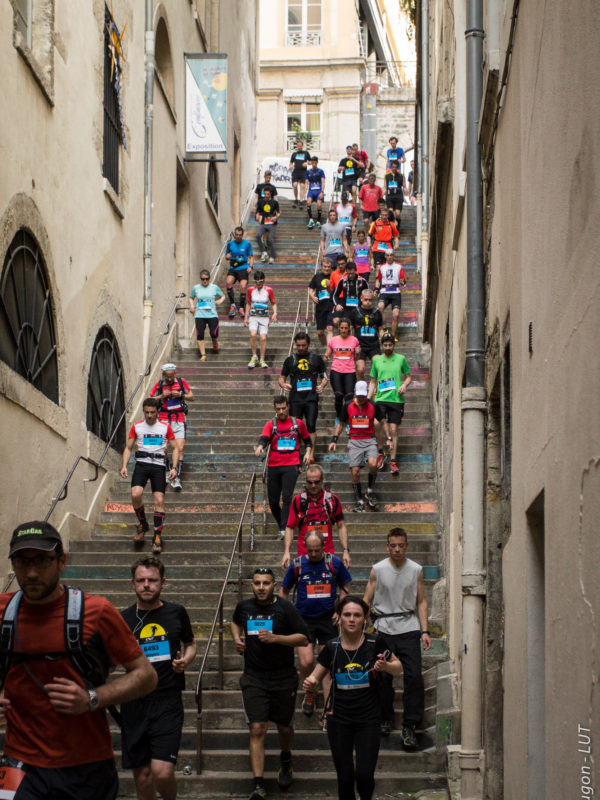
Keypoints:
pixel 395 202
pixel 321 629
pixel 239 273
pixel 370 216
pixel 393 300
pixel 347 184
pixel 369 350
pixel 308 410
pixel 157 475
pixel 93 781
pixel 213 327
pixel 323 317
pixel 393 412
pixel 151 729
pixel 298 176
pixel 269 700
pixel 379 257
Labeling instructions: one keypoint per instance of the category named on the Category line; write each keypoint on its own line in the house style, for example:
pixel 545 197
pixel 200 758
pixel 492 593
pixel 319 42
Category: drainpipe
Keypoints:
pixel 474 411
pixel 148 131
pixel 424 133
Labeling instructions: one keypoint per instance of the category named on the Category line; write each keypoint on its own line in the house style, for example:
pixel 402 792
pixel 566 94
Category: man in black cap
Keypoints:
pixel 56 647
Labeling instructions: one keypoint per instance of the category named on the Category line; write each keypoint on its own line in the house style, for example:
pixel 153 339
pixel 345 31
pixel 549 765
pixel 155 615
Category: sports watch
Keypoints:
pixel 93 701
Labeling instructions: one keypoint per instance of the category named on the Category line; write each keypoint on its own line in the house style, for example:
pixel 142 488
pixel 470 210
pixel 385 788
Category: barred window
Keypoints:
pixel 105 396
pixel 304 20
pixel 212 185
pixel 27 330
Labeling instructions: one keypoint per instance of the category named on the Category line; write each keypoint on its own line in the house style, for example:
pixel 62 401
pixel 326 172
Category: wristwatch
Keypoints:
pixel 93 701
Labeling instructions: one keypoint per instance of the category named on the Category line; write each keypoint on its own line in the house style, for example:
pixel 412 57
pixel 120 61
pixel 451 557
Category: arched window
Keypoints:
pixel 27 337
pixel 212 185
pixel 164 62
pixel 105 397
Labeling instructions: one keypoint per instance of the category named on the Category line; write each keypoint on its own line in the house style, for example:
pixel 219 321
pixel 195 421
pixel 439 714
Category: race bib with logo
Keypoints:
pixel 253 626
pixel 153 440
pixel 386 385
pixel 352 302
pixel 303 386
pixel 286 445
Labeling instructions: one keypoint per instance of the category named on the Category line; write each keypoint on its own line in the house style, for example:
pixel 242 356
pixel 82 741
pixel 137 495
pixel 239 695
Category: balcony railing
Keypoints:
pixel 311 143
pixel 390 74
pixel 303 38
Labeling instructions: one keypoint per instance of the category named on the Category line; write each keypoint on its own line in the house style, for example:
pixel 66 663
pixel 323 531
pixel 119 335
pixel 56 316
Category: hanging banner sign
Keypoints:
pixel 205 107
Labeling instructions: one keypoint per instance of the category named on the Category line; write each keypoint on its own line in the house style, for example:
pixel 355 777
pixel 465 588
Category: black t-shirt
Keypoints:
pixel 393 184
pixel 261 659
pixel 366 324
pixel 318 284
pixel 351 168
pixel 304 372
pixel 354 685
pixel 348 291
pixel 300 160
pixel 259 189
pixel 161 632
pixel 267 209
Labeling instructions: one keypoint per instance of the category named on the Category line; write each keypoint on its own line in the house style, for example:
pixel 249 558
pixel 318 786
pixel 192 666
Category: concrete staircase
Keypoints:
pixel 232 403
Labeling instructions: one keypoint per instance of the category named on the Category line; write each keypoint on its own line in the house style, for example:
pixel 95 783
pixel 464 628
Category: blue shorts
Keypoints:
pixel 313 194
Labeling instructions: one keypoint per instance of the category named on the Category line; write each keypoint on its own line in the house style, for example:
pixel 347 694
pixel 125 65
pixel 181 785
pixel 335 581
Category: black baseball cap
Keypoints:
pixel 35 535
pixel 387 337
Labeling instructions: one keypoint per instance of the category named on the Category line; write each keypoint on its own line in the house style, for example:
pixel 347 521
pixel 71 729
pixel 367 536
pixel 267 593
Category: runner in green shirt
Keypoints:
pixel 390 377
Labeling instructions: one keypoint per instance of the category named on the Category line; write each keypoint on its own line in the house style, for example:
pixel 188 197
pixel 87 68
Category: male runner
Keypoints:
pixel 348 291
pixel 304 376
pixel 394 193
pixel 366 322
pixel 174 394
pixel 333 240
pixel 314 190
pixel 390 378
pixel 394 153
pixel 383 236
pixel 151 729
pixel 362 444
pixel 317 576
pixel 369 196
pixel 284 435
pixel 347 216
pixel 298 164
pixel 241 260
pixel 151 437
pixel 319 290
pixel 259 192
pixel 348 171
pixel 203 304
pixel 265 630
pixel 267 214
pixel 389 283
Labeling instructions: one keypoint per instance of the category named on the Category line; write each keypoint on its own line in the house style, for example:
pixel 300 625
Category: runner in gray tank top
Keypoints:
pixel 396 593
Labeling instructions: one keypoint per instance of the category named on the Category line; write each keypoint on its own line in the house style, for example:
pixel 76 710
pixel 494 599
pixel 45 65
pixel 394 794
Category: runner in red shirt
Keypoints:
pixel 174 394
pixel 282 437
pixel 362 444
pixel 369 195
pixel 383 236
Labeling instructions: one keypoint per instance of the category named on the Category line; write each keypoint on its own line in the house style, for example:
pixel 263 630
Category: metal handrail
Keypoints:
pixel 63 491
pixel 218 618
pixel 318 258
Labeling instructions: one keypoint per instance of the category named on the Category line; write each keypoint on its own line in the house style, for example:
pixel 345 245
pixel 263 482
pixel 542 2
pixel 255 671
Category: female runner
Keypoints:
pixel 344 349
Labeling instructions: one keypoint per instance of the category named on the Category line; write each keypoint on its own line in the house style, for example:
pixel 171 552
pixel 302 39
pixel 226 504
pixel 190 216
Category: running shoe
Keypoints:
pixel 408 737
pixel 295 204
pixel 309 703
pixel 202 358
pixel 318 224
pixel 380 461
pixel 232 310
pixel 323 723
pixel 281 534
pixel 311 223
pixel 263 364
pixel 371 499
pixel 258 793
pixel 242 312
pixel 176 484
pixel 264 257
pixel 394 468
pixel 285 778
pixel 215 347
pixel 359 507
pixel 386 727
pixel 140 530
pixel 253 362
pixel 157 544
pixel 271 260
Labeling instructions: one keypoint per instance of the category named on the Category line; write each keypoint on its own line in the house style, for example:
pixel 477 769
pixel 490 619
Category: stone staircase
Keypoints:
pixel 232 403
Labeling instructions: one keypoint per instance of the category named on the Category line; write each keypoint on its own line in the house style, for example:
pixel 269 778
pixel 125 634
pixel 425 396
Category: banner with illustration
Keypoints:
pixel 206 106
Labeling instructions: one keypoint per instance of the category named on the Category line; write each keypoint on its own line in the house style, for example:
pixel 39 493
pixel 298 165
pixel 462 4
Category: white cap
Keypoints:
pixel 361 389
pixel 168 367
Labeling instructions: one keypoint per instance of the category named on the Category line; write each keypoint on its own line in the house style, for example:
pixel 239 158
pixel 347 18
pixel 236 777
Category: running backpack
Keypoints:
pixel 327 505
pixel 184 405
pixel 274 428
pixel 328 563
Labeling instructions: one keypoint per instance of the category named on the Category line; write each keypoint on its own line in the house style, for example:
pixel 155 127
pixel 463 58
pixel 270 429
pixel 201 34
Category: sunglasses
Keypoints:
pixel 204 279
pixel 314 483
pixel 264 571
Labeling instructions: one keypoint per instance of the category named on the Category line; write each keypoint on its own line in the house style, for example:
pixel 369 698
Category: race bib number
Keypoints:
pixel 349 171
pixel 317 591
pixel 352 680
pixel 362 252
pixel 286 445
pixel 303 386
pixel 204 304
pixel 324 529
pixel 393 185
pixel 10 779
pixel 386 385
pixel 315 186
pixel 384 245
pixel 352 302
pixel 360 422
pixel 391 289
pixel 270 220
pixel 153 440
pixel 344 354
pixel 155 651
pixel 366 331
pixel 323 295
pixel 253 626
pixel 335 242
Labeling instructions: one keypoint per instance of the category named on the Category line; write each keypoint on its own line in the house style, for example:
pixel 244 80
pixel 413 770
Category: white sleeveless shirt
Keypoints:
pixel 396 591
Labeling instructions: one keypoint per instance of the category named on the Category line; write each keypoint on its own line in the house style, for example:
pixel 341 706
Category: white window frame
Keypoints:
pixel 304 37
pixel 291 137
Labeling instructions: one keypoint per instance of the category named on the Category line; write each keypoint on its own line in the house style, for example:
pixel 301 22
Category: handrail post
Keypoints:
pixel 199 727
pixel 252 516
pixel 220 668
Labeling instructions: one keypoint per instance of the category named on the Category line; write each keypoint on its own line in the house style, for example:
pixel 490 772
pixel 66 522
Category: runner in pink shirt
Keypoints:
pixel 344 349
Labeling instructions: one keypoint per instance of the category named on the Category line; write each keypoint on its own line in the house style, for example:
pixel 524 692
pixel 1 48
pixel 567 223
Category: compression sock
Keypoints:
pixel 180 464
pixel 319 215
pixel 357 491
pixel 141 514
pixel 159 521
pixel 309 211
pixel 230 295
pixel 285 756
pixel 372 479
pixel 242 300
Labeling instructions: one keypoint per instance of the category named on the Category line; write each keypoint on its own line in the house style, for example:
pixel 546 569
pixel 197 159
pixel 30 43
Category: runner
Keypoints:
pixel 347 216
pixel 315 509
pixel 152 725
pixel 267 214
pixel 151 437
pixel 383 236
pixel 303 375
pixel 257 317
pixel 366 323
pixel 390 378
pixel 284 435
pixel 314 190
pixel 319 290
pixel 348 172
pixel 265 630
pixel 298 164
pixel 411 184
pixel 362 444
pixel 344 349
pixel 394 193
pixel 369 196
pixel 366 161
pixel 203 304
pixel 355 660
pixel 389 283
pixel 316 577
pixel 333 240
pixel 174 394
pixel 346 296
pixel 339 272
pixel 259 192
pixel 362 256
pixel 241 260
pixel 394 153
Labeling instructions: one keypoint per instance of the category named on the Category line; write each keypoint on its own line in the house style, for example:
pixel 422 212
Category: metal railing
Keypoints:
pixel 218 618
pixel 390 74
pixel 307 318
pixel 63 491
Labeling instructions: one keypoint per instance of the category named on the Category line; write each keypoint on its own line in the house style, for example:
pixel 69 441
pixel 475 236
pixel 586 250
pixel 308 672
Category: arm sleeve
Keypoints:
pixel 132 433
pixel 187 634
pixel 117 637
pixel 267 430
pixel 304 432
pixel 249 250
pixel 294 621
pixel 325 656
pixel 338 513
pixel 271 295
pixel 228 249
pixel 293 521
pixel 170 434
pixel 405 368
pixel 238 616
pixel 218 292
pixel 287 366
pixel 342 575
pixel 289 579
pixel 320 366
pixel 154 389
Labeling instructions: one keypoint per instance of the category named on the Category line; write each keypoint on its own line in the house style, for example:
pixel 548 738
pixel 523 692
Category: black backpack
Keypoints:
pixel 184 405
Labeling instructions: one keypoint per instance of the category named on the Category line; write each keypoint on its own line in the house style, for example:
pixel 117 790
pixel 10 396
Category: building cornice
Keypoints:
pixel 288 64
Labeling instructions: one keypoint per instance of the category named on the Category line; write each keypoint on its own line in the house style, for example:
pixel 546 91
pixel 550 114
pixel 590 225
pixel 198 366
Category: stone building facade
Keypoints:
pixel 87 285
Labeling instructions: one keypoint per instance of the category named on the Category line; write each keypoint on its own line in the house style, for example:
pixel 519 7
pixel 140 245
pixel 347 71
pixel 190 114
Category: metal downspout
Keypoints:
pixel 148 137
pixel 474 411
pixel 424 131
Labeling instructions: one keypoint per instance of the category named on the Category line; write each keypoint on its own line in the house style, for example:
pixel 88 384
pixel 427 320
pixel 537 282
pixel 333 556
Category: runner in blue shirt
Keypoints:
pixel 315 190
pixel 394 153
pixel 241 260
pixel 203 305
